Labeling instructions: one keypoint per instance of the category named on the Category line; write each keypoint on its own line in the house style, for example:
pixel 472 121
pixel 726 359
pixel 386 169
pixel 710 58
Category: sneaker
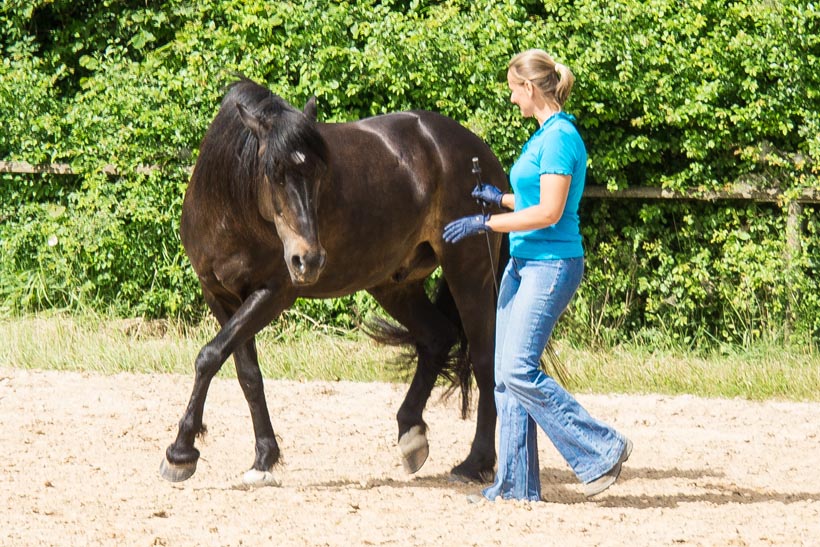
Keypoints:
pixel 608 479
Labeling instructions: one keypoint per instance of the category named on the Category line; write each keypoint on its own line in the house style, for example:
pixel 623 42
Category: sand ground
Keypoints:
pixel 81 453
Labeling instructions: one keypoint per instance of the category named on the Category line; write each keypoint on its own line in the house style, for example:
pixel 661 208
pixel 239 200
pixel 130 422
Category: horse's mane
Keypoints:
pixel 229 153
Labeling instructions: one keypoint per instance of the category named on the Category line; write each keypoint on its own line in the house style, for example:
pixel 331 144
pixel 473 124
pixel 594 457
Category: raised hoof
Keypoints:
pixel 414 449
pixel 256 478
pixel 176 473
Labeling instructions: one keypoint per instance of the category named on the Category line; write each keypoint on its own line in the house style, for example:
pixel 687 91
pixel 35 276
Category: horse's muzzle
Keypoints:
pixel 306 267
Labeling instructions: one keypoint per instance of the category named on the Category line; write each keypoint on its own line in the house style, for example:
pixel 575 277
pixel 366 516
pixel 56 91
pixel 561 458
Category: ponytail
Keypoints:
pixel 554 80
pixel 565 80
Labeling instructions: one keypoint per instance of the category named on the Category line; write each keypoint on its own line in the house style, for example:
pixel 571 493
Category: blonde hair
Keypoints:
pixel 537 66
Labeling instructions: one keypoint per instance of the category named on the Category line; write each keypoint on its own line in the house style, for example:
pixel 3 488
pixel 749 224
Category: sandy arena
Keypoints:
pixel 81 454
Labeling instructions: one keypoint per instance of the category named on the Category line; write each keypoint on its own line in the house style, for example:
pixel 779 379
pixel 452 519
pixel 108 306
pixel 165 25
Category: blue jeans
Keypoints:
pixel 533 294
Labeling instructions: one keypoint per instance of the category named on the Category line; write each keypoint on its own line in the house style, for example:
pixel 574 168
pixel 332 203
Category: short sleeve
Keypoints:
pixel 557 155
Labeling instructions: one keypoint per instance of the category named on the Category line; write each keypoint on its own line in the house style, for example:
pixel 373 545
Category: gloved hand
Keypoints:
pixel 489 194
pixel 466 226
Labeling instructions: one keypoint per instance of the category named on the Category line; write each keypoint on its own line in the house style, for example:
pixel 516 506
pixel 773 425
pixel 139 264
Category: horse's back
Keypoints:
pixel 434 149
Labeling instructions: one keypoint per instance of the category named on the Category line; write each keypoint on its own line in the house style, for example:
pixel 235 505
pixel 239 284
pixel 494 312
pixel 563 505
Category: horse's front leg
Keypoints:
pixel 257 311
pixel 267 449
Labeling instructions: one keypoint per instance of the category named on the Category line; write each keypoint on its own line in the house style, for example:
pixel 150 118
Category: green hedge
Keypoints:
pixel 688 96
pixel 691 273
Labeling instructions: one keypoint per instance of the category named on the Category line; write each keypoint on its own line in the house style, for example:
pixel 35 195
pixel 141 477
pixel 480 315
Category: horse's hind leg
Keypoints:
pixel 236 335
pixel 471 286
pixel 433 335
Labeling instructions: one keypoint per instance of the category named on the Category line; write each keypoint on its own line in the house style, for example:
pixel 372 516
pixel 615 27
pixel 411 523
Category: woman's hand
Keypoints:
pixel 466 226
pixel 489 194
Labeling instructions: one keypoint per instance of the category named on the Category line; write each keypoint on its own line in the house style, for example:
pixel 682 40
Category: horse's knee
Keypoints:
pixel 208 361
pixel 250 380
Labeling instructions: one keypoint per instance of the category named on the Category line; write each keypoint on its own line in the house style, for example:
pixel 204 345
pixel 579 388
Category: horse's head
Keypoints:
pixel 291 166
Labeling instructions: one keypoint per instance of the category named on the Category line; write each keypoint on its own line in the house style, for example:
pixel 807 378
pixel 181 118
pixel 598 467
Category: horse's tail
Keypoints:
pixel 456 368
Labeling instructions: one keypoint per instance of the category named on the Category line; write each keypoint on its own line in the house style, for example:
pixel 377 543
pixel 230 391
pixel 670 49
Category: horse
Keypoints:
pixel 280 206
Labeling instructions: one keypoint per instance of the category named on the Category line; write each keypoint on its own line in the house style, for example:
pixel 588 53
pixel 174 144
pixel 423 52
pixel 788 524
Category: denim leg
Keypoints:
pixel 589 446
pixel 517 476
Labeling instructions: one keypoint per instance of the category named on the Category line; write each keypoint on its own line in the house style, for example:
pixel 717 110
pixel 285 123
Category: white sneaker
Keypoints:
pixel 606 480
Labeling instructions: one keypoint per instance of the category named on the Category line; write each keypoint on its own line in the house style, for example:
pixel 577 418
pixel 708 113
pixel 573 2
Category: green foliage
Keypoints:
pixel 696 94
pixel 688 96
pixel 692 272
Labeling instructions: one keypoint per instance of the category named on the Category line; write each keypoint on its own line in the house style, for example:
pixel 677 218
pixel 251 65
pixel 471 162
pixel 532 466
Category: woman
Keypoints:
pixel 544 271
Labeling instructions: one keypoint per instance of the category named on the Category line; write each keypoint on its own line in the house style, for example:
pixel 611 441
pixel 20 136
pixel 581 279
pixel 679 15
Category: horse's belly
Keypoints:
pixel 344 276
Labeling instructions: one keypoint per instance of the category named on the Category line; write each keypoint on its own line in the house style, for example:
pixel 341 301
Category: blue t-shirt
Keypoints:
pixel 556 148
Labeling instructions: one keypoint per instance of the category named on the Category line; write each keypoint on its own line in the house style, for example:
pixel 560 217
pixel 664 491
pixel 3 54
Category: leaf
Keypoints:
pixel 142 38
pixel 88 62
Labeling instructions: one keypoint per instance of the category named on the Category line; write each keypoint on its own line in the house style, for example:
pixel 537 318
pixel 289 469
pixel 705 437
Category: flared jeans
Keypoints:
pixel 533 294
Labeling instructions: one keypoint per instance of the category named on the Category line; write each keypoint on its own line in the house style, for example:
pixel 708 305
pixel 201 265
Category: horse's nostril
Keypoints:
pixel 298 264
pixel 305 267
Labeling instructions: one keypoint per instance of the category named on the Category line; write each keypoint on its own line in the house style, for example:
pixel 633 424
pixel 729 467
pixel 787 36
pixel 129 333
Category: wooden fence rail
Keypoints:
pixel 25 168
pixel 793 208
pixel 809 195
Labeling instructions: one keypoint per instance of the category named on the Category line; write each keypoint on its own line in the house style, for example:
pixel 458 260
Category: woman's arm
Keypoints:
pixel 554 192
pixel 508 201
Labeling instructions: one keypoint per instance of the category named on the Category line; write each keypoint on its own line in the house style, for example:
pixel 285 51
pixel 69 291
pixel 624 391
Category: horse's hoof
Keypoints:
pixel 462 474
pixel 254 477
pixel 414 449
pixel 459 479
pixel 176 472
pixel 487 475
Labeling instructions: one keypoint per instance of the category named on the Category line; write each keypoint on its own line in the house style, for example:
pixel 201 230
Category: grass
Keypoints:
pixel 763 371
pixel 288 350
pixel 109 346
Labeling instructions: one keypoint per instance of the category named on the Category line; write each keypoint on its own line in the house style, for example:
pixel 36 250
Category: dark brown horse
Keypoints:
pixel 281 207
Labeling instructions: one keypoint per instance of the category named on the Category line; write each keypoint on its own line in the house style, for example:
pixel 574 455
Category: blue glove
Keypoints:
pixel 489 194
pixel 466 226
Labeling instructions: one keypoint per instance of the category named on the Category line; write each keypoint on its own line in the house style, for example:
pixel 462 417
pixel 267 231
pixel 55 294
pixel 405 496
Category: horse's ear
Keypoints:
pixel 250 121
pixel 310 108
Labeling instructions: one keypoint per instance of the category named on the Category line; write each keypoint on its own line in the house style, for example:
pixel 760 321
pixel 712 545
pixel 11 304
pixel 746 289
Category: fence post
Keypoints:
pixel 793 251
pixel 793 245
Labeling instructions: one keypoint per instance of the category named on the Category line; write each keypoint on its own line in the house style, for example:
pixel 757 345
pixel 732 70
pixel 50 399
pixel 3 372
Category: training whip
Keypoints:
pixel 478 184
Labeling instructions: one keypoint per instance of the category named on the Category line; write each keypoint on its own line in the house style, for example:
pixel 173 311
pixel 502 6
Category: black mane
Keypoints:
pixel 230 149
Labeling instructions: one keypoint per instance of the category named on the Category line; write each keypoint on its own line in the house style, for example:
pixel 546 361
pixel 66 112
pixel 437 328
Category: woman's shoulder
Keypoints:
pixel 565 124
pixel 561 129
